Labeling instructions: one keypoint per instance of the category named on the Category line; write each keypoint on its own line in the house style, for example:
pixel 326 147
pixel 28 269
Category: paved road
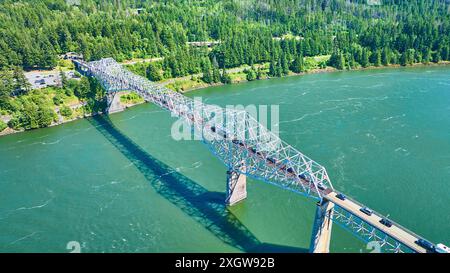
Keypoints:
pixel 395 231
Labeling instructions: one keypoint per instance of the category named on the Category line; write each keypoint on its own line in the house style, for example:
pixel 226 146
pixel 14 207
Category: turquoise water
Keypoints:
pixel 122 184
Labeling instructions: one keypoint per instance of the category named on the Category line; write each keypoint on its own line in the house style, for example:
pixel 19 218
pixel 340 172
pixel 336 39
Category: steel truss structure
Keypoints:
pixel 243 144
pixel 235 137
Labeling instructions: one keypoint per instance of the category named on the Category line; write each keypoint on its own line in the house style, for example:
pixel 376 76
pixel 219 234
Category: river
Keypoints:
pixel 122 184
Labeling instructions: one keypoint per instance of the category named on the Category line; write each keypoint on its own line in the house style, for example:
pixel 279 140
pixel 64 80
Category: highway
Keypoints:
pixel 395 231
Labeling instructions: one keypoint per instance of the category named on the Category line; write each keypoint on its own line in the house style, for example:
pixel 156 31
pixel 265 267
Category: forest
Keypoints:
pixel 282 33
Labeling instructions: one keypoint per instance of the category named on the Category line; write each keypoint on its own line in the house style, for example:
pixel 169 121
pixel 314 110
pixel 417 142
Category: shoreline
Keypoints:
pixel 328 69
pixel 10 131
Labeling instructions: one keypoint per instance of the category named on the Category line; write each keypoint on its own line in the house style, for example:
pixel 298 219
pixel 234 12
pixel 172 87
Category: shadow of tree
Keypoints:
pixel 206 207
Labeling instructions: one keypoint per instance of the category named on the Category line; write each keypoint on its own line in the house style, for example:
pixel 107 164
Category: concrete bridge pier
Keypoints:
pixel 113 102
pixel 321 235
pixel 236 186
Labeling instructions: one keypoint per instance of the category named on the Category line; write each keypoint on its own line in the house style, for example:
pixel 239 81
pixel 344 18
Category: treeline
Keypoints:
pixel 34 32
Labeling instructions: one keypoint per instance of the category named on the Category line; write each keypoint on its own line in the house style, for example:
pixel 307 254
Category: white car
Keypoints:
pixel 441 248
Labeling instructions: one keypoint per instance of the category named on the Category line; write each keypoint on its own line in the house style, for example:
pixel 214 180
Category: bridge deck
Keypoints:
pixel 395 231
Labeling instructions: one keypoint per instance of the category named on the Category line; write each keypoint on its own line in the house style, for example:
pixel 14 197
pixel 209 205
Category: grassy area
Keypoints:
pixel 131 98
pixel 187 84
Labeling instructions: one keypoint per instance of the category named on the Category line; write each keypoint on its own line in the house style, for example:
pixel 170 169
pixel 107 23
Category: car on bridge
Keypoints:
pixel 441 248
pixel 341 196
pixel 321 186
pixel 366 210
pixel 386 222
pixel 425 244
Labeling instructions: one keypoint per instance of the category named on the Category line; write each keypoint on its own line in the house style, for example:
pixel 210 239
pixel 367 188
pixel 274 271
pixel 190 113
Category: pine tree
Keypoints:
pixel 284 64
pixel 436 56
pixel 251 74
pixel 426 56
pixel 404 58
pixel 225 79
pixel 297 65
pixel 153 72
pixel 21 84
pixel 62 78
pixel 272 69
pixel 385 58
pixel 365 58
pixel 207 74
pixel 445 53
pixel 215 71
pixel 377 58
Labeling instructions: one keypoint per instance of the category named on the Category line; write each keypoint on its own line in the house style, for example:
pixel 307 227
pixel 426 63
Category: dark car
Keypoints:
pixel 271 160
pixel 321 186
pixel 340 196
pixel 366 210
pixel 425 244
pixel 386 222
pixel 303 177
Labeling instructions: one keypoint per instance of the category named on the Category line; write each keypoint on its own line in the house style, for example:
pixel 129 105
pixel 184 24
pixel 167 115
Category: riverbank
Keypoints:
pixel 237 74
pixel 327 69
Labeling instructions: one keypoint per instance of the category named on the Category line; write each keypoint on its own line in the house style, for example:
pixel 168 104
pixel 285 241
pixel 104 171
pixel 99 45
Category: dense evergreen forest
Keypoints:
pixel 34 32
pixel 354 33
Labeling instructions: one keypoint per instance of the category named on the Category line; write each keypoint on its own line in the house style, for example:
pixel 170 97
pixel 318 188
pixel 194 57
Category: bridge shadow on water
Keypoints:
pixel 206 207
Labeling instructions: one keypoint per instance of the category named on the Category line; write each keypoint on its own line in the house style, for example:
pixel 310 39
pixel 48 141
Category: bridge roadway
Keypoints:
pixel 396 231
pixel 286 167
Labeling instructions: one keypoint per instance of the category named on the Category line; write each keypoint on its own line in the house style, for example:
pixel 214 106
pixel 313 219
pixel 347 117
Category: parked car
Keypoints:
pixel 366 210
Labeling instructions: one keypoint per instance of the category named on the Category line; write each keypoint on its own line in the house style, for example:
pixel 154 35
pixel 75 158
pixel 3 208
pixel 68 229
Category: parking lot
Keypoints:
pixel 41 79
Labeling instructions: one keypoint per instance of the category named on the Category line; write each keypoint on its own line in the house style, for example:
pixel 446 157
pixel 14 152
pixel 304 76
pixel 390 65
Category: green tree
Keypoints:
pixel 2 125
pixel 58 99
pixel 436 56
pixel 259 74
pixel 426 56
pixel 65 111
pixel 153 72
pixel 62 78
pixel 404 58
pixel 250 74
pixel 298 65
pixel 385 57
pixel 272 69
pixel 207 73
pixel 21 84
pixel 82 89
pixel 225 79
pixel 365 58
pixel 6 88
pixel 284 64
pixel 377 58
